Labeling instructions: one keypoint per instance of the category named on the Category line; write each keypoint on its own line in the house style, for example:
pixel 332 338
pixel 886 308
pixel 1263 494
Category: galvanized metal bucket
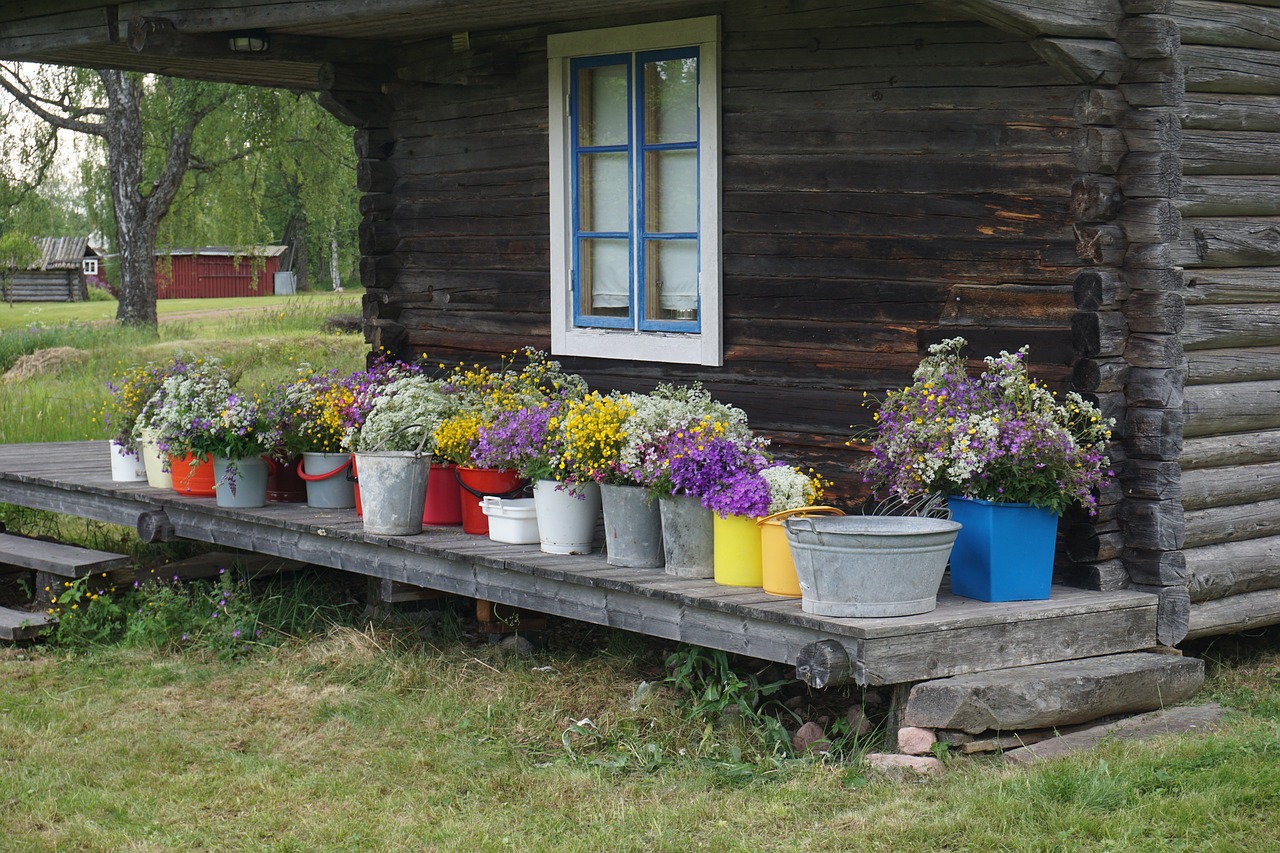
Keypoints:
pixel 867 565
pixel 393 487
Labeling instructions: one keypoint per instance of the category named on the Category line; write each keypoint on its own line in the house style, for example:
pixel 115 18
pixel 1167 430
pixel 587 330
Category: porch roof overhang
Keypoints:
pixel 183 38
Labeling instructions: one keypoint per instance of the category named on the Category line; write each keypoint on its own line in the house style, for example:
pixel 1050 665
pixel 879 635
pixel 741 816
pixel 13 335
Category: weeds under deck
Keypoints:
pixel 960 636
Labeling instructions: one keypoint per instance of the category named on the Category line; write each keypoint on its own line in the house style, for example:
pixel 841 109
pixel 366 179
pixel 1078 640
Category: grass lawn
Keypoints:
pixel 286 722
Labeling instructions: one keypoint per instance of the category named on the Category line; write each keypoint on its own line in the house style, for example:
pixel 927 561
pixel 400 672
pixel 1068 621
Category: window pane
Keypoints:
pixel 603 193
pixel 671 273
pixel 671 191
pixel 602 105
pixel 605 279
pixel 671 100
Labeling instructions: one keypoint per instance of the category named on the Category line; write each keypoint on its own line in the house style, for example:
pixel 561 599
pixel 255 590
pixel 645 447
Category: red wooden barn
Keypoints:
pixel 217 271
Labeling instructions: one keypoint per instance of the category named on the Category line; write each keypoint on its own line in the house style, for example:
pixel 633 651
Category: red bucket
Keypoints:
pixel 192 476
pixel 283 483
pixel 444 496
pixel 477 483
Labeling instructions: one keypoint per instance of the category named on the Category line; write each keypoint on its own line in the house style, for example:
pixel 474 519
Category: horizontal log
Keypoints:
pixel 1153 434
pixel 1102 245
pixel 1149 37
pixel 1098 333
pixel 1153 525
pixel 1104 576
pixel 1235 614
pixel 1100 62
pixel 1230 152
pixel 1230 195
pixel 1152 130
pixel 1087 18
pixel 1255 364
pixel 1096 289
pixel 1238 522
pixel 1007 305
pixel 1150 220
pixel 1100 150
pixel 1147 175
pixel 1155 388
pixel 1229 242
pixel 1232 407
pixel 1219 451
pixel 1156 568
pixel 1090 543
pixel 1210 68
pixel 1157 312
pixel 1096 199
pixel 1173 613
pixel 1099 375
pixel 1100 106
pixel 1151 480
pixel 1204 488
pixel 1222 326
pixel 1223 111
pixel 1210 22
pixel 1154 352
pixel 1154 83
pixel 1233 568
pixel 1148 256
pixel 1146 7
pixel 1232 286
pixel 1141 278
pixel 376 176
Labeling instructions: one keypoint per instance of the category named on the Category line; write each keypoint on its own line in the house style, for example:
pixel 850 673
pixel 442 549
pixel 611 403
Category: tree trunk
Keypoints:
pixel 135 236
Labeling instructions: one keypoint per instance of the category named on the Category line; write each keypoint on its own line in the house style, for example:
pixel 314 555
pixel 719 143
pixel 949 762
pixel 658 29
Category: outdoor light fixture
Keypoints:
pixel 251 41
pixel 461 42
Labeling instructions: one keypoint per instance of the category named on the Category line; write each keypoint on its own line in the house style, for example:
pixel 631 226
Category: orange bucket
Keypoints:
pixel 474 485
pixel 778 569
pixel 192 476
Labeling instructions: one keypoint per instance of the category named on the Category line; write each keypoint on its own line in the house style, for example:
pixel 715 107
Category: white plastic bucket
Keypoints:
pixel 126 467
pixel 511 520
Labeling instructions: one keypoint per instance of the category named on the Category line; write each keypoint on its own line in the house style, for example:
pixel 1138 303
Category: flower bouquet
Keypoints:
pixel 1008 455
pixel 182 414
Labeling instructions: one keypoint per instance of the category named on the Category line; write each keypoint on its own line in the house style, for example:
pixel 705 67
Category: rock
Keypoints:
pixel 858 723
pixel 916 741
pixel 903 766
pixel 810 738
pixel 953 738
pixel 1189 718
pixel 1053 694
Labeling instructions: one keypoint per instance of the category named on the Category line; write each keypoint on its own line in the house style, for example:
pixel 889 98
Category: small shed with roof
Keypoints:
pixel 67 267
pixel 213 272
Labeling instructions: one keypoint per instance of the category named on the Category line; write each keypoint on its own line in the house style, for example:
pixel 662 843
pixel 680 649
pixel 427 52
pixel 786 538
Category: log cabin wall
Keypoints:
pixel 890 179
pixel 1230 249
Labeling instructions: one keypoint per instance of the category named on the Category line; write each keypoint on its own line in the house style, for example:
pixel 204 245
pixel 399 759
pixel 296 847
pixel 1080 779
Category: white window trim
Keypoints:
pixel 707 346
pixel 89 266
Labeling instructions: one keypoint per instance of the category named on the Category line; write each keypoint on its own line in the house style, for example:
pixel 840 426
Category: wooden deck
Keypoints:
pixel 960 636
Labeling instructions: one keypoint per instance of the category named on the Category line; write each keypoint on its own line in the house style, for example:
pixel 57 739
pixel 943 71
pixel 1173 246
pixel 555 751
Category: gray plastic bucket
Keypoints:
pixel 393 490
pixel 329 484
pixel 867 565
pixel 687 538
pixel 247 489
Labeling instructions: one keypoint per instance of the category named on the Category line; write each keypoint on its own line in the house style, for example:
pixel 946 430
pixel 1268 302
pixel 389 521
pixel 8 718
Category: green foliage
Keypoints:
pixel 714 690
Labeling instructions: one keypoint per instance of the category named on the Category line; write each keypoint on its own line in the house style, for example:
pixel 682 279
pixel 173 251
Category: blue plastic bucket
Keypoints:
pixel 1004 551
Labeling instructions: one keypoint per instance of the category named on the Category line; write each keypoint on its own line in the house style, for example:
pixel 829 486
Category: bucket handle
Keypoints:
pixel 801 511
pixel 310 478
pixel 514 493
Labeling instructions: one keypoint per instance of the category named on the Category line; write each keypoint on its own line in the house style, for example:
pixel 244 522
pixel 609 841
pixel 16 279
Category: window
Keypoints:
pixel 90 266
pixel 635 192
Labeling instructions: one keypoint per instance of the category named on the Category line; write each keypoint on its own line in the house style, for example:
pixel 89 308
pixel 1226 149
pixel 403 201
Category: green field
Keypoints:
pixel 289 722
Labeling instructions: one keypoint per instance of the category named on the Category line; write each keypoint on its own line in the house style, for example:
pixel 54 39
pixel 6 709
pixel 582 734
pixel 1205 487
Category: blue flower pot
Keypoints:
pixel 1004 551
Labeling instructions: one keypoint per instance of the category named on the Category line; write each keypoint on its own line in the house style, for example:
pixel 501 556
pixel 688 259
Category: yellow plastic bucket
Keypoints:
pixel 778 569
pixel 736 541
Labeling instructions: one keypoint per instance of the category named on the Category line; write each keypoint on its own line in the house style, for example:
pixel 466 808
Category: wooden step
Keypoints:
pixel 22 624
pixel 68 561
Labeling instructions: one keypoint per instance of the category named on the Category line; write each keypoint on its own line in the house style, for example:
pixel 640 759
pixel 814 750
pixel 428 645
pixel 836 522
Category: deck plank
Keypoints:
pixel 959 636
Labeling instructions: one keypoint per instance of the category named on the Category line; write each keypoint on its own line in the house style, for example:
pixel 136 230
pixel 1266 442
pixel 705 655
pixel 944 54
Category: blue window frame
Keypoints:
pixel 634 178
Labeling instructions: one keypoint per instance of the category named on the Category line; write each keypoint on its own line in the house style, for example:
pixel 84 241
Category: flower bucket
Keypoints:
pixel 513 521
pixel 474 484
pixel 687 538
pixel 444 496
pixel 778 569
pixel 393 490
pixel 283 483
pixel 249 488
pixel 567 516
pixel 632 527
pixel 153 461
pixel 192 476
pixel 326 477
pixel 1004 552
pixel 870 565
pixel 737 550
pixel 126 466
